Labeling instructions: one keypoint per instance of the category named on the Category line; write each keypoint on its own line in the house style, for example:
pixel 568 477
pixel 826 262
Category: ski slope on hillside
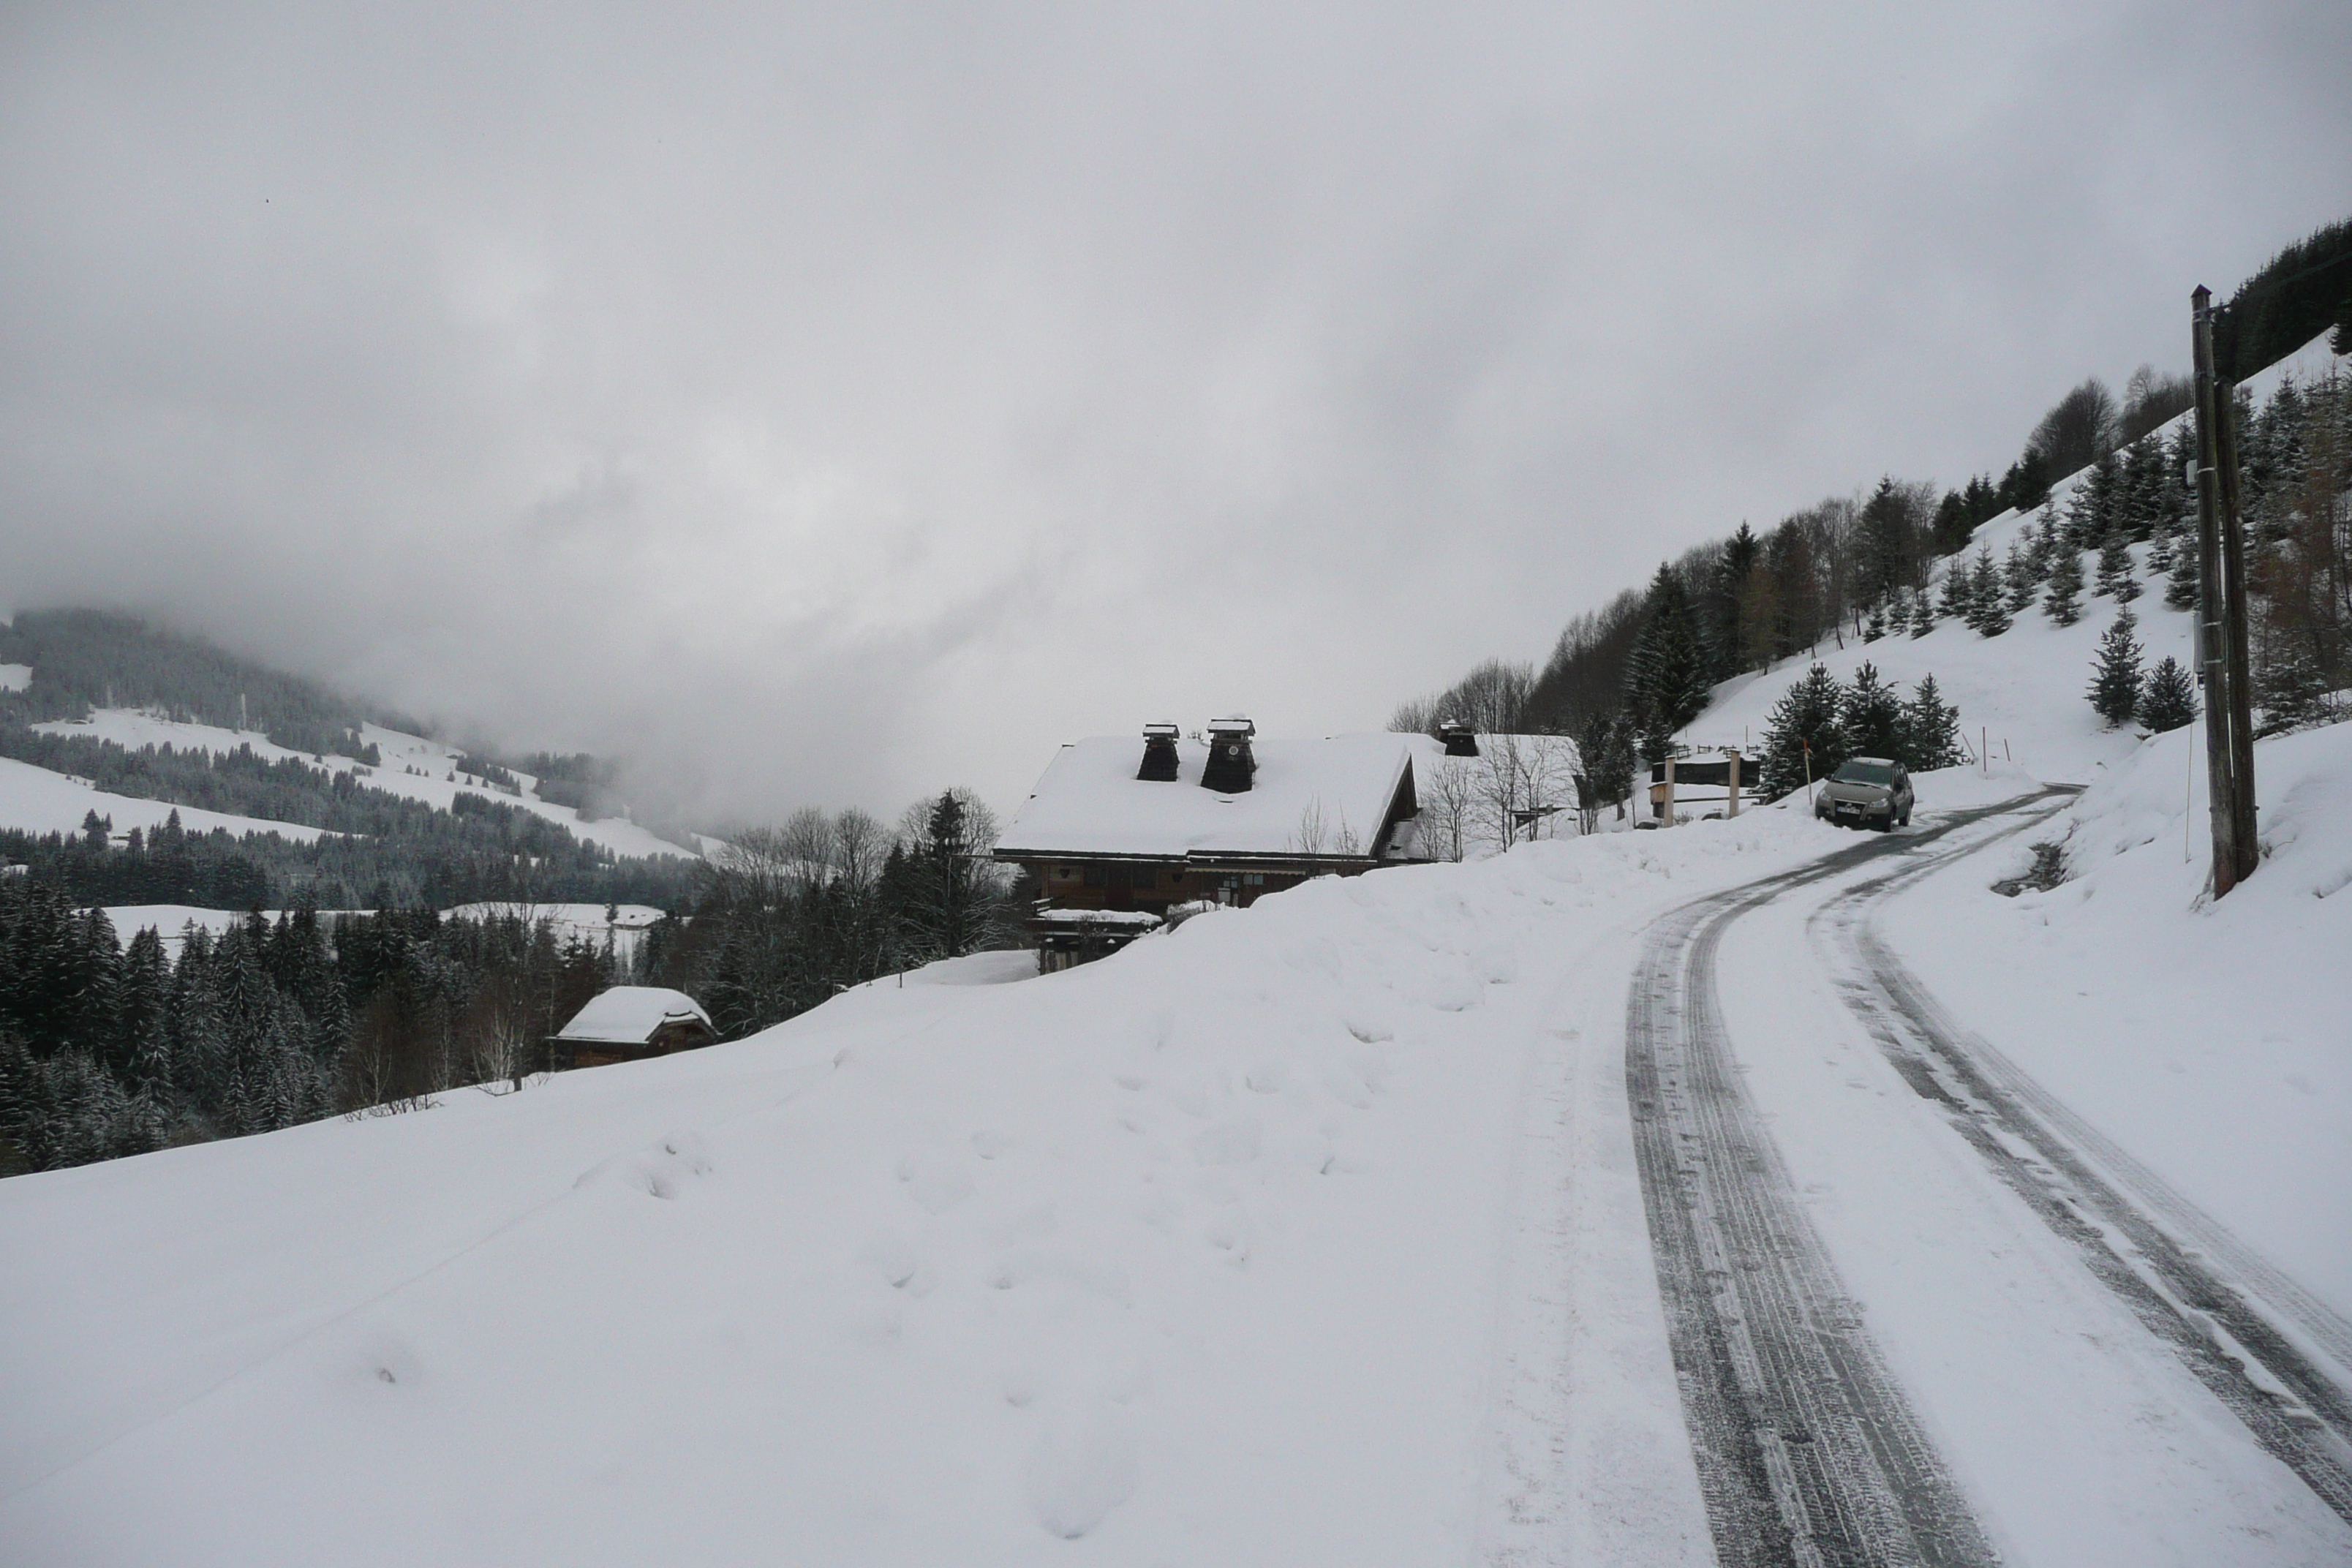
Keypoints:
pixel 38 801
pixel 437 778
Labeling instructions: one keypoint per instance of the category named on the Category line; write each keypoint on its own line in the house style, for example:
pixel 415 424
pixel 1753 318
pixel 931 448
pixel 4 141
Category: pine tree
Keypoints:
pixel 1803 733
pixel 1960 589
pixel 2168 699
pixel 2290 692
pixel 1922 614
pixel 2140 508
pixel 1728 633
pixel 2116 675
pixel 2090 510
pixel 2043 545
pixel 1929 730
pixel 1871 714
pixel 1668 676
pixel 141 1051
pixel 1886 542
pixel 2018 576
pixel 1874 629
pixel 1606 751
pixel 2063 603
pixel 2116 569
pixel 1988 607
pixel 2180 588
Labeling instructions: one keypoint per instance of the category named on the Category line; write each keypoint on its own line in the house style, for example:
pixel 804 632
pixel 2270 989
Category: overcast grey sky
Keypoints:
pixel 835 403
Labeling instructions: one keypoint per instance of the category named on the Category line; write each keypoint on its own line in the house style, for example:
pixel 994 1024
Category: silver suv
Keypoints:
pixel 1866 790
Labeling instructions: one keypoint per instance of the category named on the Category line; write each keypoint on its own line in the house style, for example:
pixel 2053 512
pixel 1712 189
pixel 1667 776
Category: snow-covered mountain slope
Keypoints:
pixel 2023 693
pixel 413 767
pixel 40 801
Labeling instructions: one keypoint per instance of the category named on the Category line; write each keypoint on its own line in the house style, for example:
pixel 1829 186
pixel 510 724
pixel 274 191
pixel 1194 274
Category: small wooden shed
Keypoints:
pixel 628 1023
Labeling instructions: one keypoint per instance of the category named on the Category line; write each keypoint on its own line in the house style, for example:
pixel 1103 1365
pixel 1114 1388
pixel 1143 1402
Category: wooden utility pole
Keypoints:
pixel 1731 776
pixel 2237 656
pixel 2222 658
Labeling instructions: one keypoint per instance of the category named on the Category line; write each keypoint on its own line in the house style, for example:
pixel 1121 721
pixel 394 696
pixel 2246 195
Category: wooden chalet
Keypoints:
pixel 1119 833
pixel 629 1022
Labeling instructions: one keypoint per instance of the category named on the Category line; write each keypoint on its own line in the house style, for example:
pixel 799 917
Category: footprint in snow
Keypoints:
pixel 936 1182
pixel 1082 1467
pixel 662 1171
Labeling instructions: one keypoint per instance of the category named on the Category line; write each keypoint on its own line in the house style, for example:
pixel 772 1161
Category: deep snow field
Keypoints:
pixel 1199 1253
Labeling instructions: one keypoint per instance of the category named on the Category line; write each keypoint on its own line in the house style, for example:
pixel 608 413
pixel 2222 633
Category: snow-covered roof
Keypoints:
pixel 1096 918
pixel 628 1014
pixel 1091 803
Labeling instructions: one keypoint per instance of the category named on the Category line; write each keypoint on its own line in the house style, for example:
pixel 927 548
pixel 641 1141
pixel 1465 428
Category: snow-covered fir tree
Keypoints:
pixel 2115 576
pixel 1929 729
pixel 1960 589
pixel 2180 587
pixel 2169 698
pixel 1871 714
pixel 2063 602
pixel 1805 736
pixel 2116 674
pixel 1988 596
pixel 2090 510
pixel 1668 675
pixel 1923 613
pixel 2018 576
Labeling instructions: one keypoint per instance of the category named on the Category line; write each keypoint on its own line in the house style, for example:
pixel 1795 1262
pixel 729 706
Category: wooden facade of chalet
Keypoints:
pixel 1125 832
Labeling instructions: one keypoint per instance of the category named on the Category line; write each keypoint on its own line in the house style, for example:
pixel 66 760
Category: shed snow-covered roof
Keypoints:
pixel 1091 803
pixel 628 1014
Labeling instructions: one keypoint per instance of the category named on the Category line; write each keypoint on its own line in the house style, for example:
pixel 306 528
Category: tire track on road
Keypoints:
pixel 1807 1452
pixel 2241 1327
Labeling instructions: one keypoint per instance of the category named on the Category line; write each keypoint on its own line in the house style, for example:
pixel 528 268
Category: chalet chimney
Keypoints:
pixel 1159 753
pixel 1460 740
pixel 1230 763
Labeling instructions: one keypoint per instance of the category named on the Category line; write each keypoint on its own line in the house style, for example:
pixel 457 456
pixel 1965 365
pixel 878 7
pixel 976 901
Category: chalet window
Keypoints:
pixel 1063 873
pixel 1095 878
pixel 1146 877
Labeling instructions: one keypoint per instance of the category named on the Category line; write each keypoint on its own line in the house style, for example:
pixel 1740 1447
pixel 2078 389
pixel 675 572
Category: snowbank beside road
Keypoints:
pixel 2208 1037
pixel 1198 1253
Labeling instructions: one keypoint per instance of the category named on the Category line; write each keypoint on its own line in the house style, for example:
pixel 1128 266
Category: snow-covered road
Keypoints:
pixel 1920 1189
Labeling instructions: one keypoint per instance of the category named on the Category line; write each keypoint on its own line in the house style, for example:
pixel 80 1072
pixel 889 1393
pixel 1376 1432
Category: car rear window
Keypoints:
pixel 1864 773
